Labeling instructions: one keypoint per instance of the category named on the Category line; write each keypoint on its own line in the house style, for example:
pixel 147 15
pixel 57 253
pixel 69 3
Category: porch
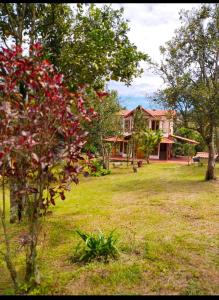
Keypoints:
pixel 163 151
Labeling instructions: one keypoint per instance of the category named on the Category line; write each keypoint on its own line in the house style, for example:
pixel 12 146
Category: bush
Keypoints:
pixel 96 247
pixel 96 169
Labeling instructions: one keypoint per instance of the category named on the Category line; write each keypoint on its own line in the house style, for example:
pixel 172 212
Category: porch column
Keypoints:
pixel 168 151
pixel 159 151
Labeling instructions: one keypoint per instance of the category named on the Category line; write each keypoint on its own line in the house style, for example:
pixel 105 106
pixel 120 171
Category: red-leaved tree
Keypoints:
pixel 40 143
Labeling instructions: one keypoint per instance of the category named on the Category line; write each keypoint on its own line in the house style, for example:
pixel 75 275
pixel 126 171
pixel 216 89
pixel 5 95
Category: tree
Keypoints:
pixel 217 140
pixel 19 22
pixel 189 134
pixel 99 49
pixel 105 124
pixel 189 150
pixel 31 147
pixel 54 30
pixel 88 46
pixel 31 22
pixel 149 139
pixel 139 122
pixel 190 71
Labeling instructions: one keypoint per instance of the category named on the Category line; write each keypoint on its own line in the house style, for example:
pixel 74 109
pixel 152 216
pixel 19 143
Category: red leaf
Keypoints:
pixel 21 140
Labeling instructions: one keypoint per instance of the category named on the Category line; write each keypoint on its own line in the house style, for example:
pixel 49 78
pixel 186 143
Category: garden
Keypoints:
pixel 165 221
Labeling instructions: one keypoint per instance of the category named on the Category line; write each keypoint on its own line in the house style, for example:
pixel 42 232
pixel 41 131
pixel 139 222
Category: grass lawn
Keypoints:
pixel 166 218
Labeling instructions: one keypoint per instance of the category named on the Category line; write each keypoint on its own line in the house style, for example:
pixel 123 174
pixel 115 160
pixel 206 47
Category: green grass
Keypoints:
pixel 166 218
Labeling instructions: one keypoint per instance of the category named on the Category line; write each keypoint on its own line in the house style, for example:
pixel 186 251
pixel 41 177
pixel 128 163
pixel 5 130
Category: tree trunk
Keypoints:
pixel 32 276
pixel 7 255
pixel 33 22
pixel 17 204
pixel 217 140
pixel 13 203
pixel 147 158
pixel 12 271
pixel 210 173
pixel 103 152
pixel 107 159
pixel 188 160
pixel 133 158
pixel 31 267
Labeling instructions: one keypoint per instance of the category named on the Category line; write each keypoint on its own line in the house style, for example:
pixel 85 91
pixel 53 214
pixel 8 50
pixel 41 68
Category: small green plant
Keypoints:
pixel 97 247
pixel 96 169
pixel 43 288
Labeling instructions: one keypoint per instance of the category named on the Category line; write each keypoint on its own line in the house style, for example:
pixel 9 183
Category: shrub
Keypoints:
pixel 96 169
pixel 96 247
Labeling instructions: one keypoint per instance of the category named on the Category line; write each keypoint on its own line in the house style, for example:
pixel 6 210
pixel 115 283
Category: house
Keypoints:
pixel 154 119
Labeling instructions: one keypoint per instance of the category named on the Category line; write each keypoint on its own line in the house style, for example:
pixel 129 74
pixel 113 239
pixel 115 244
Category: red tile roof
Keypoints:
pixel 184 139
pixel 160 113
pixel 123 112
pixel 152 112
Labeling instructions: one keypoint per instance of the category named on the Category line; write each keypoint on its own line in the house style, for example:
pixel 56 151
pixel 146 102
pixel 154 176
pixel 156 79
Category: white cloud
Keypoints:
pixel 151 25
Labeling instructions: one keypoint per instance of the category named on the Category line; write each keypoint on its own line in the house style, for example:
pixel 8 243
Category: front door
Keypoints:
pixel 163 151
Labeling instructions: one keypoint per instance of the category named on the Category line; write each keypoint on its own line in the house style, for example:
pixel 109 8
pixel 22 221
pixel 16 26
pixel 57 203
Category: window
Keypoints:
pixel 127 125
pixel 155 125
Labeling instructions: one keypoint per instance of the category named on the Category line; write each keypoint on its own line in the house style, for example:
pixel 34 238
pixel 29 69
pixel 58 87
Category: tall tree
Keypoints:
pixel 189 150
pixel 190 71
pixel 89 45
pixel 105 124
pixel 19 25
pixel 99 49
pixel 29 138
pixel 139 121
pixel 190 134
pixel 54 30
pixel 19 22
pixel 149 139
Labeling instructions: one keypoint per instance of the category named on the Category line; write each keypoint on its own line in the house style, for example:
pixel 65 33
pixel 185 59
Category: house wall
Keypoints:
pixel 165 125
pixel 127 124
pixel 113 153
pixel 139 153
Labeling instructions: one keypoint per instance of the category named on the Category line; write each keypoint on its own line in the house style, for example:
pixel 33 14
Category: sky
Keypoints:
pixel 151 25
